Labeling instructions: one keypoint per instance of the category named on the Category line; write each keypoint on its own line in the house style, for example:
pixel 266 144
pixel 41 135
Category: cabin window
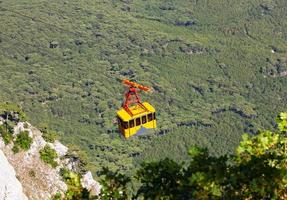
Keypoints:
pixel 154 116
pixel 149 117
pixel 121 122
pixel 125 125
pixel 143 119
pixel 138 121
pixel 132 123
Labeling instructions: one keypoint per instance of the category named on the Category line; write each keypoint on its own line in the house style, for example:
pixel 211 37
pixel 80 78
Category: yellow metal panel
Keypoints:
pixel 123 115
pixel 147 125
pixel 136 110
pixel 149 107
pixel 151 124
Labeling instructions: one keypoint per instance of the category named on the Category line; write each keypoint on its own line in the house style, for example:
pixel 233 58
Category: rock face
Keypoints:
pixel 90 184
pixel 60 148
pixel 35 179
pixel 2 144
pixel 10 187
pixel 39 180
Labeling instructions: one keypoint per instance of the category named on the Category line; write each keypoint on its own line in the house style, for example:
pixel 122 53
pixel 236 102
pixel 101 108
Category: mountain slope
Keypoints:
pixel 217 69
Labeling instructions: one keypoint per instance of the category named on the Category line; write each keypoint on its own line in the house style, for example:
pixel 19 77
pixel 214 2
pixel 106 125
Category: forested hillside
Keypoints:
pixel 218 69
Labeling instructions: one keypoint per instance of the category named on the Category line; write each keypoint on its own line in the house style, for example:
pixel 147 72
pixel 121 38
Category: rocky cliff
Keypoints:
pixel 10 187
pixel 24 175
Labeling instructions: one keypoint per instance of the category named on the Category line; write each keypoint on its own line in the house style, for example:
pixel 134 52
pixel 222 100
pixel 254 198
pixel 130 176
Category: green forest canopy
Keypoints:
pixel 217 68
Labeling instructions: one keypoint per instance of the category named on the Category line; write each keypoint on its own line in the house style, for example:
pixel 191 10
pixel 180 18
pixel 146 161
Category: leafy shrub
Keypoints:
pixel 57 196
pixel 65 173
pixel 32 173
pixel 23 141
pixel 26 125
pixel 15 149
pixel 48 155
pixel 7 137
pixel 75 189
pixel 282 122
pixel 50 136
pixel 79 158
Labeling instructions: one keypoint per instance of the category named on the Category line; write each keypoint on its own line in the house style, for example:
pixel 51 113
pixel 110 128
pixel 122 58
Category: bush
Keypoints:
pixel 7 137
pixel 75 189
pixel 23 141
pixel 79 157
pixel 48 155
pixel 15 149
pixel 50 136
pixel 47 134
pixel 57 196
pixel 26 125
pixel 114 185
pixel 32 173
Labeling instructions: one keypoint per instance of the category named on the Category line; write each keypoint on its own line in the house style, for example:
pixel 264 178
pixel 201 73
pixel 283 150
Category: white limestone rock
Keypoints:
pixel 90 184
pixel 60 148
pixel 10 187
pixel 20 127
pixel 38 143
pixel 68 164
pixel 2 144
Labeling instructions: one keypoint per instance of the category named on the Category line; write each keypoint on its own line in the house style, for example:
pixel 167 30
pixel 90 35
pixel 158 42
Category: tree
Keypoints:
pixel 114 185
pixel 258 170
pixel 161 180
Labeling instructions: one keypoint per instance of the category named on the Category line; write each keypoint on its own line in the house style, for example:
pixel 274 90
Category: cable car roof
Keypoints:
pixel 136 111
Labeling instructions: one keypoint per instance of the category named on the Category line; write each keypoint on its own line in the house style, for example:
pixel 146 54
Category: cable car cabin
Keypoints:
pixel 143 117
pixel 134 116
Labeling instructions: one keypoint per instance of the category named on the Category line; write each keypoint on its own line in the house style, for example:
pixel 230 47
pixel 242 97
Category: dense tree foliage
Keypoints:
pixel 114 185
pixel 258 170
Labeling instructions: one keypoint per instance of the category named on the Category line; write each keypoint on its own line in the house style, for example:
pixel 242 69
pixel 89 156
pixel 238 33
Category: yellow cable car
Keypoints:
pixel 141 119
pixel 137 118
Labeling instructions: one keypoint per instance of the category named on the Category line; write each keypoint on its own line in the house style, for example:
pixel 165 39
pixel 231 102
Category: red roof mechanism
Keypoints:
pixel 132 96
